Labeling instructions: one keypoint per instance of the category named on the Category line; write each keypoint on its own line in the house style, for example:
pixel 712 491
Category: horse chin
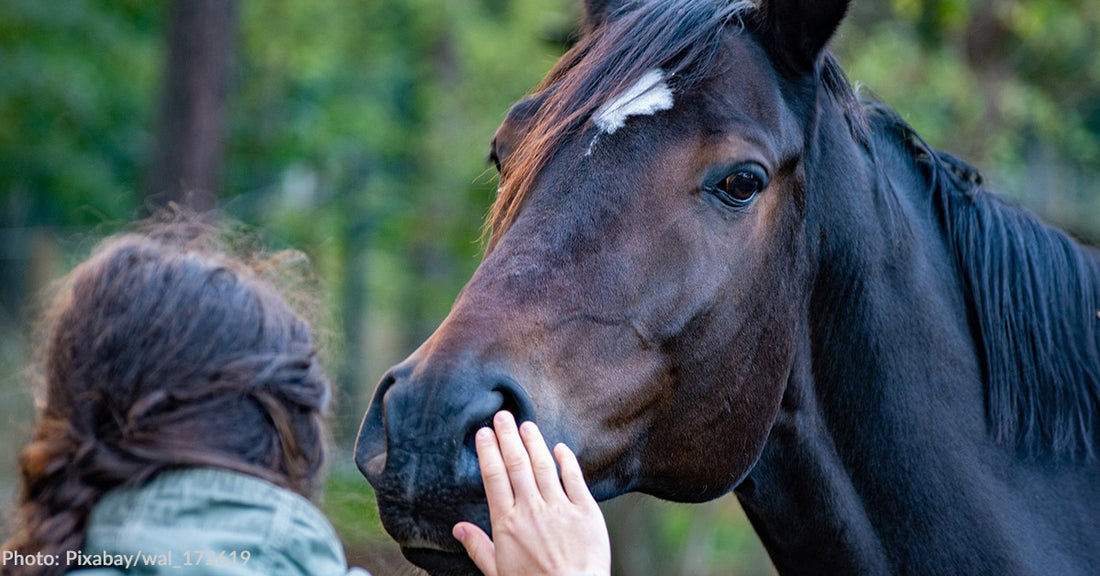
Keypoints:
pixel 439 562
pixel 424 532
pixel 447 559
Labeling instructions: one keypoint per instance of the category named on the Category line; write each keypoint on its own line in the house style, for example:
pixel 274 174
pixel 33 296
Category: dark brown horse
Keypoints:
pixel 711 268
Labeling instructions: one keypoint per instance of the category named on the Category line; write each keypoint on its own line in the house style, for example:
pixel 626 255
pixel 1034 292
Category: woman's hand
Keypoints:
pixel 542 526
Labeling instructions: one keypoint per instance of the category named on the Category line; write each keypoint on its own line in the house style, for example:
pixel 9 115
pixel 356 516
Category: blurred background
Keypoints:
pixel 357 131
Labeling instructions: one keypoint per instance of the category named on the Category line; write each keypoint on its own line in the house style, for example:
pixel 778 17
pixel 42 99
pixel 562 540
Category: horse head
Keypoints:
pixel 646 275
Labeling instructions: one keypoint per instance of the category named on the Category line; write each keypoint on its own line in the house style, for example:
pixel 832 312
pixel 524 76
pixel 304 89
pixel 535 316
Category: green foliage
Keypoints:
pixel 349 505
pixel 649 536
pixel 75 102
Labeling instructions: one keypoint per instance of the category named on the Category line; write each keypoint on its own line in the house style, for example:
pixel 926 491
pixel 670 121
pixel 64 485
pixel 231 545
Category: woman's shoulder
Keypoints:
pixel 210 521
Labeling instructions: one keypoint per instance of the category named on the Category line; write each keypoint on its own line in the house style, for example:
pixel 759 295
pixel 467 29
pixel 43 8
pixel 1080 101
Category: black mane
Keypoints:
pixel 1033 294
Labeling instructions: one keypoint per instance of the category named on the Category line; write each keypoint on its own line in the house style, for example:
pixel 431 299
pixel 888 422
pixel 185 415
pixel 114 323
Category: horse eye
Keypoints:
pixel 741 186
pixel 494 158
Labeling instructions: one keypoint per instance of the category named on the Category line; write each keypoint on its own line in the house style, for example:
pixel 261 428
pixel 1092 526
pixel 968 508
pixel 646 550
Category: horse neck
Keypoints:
pixel 883 415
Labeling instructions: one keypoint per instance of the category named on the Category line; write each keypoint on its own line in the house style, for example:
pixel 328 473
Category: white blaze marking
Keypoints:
pixel 648 95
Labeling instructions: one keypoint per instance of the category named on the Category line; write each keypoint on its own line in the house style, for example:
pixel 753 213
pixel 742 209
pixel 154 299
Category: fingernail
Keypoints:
pixel 504 416
pixel 484 434
pixel 459 532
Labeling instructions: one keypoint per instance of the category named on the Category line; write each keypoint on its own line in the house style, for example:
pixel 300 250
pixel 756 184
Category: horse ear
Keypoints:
pixel 796 31
pixel 596 12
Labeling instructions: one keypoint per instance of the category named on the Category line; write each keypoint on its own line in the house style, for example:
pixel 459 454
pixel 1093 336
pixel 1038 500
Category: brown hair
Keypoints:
pixel 164 353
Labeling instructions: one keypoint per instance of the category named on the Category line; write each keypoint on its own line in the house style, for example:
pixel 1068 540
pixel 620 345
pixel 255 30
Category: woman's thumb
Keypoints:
pixel 478 546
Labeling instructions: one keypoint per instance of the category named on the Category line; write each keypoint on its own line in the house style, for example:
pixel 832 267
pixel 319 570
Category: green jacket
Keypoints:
pixel 208 522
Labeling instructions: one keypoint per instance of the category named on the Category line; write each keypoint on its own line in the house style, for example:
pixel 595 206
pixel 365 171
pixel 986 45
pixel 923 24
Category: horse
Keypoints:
pixel 712 267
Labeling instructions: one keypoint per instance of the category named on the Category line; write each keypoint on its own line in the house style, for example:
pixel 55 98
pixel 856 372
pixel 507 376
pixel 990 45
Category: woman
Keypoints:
pixel 180 421
pixel 181 431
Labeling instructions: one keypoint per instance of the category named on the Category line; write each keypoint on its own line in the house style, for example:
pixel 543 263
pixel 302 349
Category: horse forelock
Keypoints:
pixel 680 38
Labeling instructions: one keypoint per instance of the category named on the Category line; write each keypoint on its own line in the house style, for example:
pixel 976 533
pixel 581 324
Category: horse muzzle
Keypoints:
pixel 416 449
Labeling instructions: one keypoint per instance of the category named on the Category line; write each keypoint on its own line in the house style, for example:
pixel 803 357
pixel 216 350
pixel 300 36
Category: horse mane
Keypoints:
pixel 683 37
pixel 1034 299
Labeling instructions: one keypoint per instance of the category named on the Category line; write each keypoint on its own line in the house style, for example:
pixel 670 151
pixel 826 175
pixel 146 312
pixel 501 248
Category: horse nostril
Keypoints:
pixel 515 400
pixel 403 427
pixel 511 398
pixel 509 403
pixel 370 444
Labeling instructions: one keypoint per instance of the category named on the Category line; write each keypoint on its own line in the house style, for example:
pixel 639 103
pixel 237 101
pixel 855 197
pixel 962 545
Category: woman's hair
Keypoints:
pixel 163 353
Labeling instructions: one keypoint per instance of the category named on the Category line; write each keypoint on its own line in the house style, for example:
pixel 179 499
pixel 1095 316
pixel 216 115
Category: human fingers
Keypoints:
pixel 478 546
pixel 494 475
pixel 572 477
pixel 515 457
pixel 546 472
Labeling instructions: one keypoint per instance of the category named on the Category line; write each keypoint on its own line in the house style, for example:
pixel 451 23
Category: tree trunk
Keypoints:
pixel 188 154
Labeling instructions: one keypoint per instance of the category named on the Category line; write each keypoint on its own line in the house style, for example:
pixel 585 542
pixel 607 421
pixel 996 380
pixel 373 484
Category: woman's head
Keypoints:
pixel 164 353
